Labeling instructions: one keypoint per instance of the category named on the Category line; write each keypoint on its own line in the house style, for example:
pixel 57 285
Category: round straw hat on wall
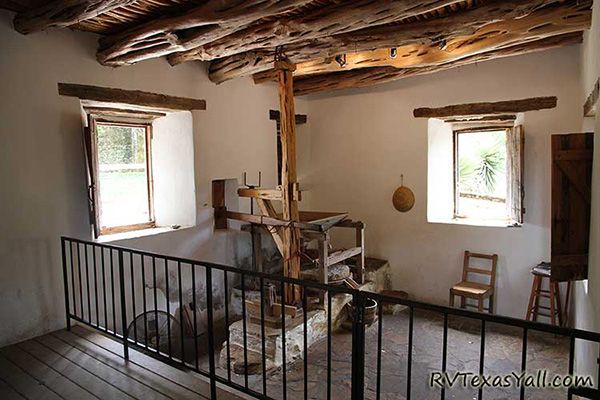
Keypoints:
pixel 404 198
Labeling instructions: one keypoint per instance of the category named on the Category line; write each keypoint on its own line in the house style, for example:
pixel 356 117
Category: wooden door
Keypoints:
pixel 571 204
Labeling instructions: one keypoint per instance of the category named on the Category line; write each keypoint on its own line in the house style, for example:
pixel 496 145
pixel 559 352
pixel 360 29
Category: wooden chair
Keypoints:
pixel 475 290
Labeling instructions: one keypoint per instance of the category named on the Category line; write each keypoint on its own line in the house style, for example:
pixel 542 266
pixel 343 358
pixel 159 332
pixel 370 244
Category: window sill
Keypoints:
pixel 114 237
pixel 476 222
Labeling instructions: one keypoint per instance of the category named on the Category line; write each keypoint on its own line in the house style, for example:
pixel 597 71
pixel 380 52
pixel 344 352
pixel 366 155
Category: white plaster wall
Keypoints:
pixel 42 170
pixel 362 140
pixel 587 293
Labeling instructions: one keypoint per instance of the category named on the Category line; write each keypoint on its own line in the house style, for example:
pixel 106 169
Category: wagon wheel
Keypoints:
pixel 155 336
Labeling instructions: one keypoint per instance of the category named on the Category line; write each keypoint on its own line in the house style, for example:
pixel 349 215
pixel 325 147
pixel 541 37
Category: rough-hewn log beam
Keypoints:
pixel 133 97
pixel 535 26
pixel 63 13
pixel 371 76
pixel 436 32
pixel 498 107
pixel 345 16
pixel 210 21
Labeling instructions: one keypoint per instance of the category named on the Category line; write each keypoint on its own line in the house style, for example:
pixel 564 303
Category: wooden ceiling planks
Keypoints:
pixel 242 37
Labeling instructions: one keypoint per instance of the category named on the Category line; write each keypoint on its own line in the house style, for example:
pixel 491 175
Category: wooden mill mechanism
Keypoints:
pixel 293 228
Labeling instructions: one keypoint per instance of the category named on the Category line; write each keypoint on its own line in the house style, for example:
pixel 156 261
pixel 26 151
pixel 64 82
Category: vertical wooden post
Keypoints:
pixel 291 235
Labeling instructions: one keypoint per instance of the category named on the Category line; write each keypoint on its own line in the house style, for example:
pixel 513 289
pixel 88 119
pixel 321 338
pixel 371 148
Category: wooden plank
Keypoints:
pixel 589 108
pixel 499 107
pixel 570 155
pixel 276 116
pixel 143 375
pixel 63 13
pixel 266 194
pixel 342 255
pixel 45 374
pixel 188 379
pixel 83 374
pixel 23 383
pixel 578 181
pixel 8 393
pixel 134 97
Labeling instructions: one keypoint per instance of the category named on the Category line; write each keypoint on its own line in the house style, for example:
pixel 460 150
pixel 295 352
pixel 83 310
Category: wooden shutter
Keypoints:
pixel 90 145
pixel 571 204
pixel 515 196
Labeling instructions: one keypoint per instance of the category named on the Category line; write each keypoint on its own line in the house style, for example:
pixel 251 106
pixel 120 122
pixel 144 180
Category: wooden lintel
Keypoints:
pixel 483 128
pixel 342 255
pixel 266 194
pixel 134 97
pixel 499 107
pixel 589 108
pixel 122 112
pixel 275 115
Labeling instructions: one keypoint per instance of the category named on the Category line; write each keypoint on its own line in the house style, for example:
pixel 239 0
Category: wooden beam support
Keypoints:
pixel 210 21
pixel 337 18
pixel 266 194
pixel 134 97
pixel 274 115
pixel 589 108
pixel 289 180
pixel 498 107
pixel 433 32
pixel 63 13
pixel 266 208
pixel 493 36
pixel 122 112
pixel 371 76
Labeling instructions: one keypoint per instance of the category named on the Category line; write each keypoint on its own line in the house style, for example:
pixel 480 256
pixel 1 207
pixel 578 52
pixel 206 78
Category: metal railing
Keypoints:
pixel 137 297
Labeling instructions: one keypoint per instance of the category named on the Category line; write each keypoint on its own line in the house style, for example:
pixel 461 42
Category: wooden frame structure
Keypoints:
pixel 289 228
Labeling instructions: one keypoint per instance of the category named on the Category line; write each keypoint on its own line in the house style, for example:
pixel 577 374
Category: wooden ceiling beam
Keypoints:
pixel 436 32
pixel 370 76
pixel 498 107
pixel 63 13
pixel 133 97
pixel 345 16
pixel 212 20
pixel 538 25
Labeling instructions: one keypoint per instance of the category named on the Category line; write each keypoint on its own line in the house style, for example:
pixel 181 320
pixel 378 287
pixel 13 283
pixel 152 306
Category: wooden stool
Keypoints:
pixel 540 272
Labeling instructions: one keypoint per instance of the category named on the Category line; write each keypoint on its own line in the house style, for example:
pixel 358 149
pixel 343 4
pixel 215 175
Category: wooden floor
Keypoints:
pixel 82 364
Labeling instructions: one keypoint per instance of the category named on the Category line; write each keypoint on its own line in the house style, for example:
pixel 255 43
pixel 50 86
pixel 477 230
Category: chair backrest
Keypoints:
pixel 468 269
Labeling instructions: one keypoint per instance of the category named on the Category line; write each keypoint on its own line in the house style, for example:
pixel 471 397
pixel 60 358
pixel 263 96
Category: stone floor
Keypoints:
pixel 502 356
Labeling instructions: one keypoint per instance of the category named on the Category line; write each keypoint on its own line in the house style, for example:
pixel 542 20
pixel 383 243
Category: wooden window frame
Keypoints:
pixel 147 125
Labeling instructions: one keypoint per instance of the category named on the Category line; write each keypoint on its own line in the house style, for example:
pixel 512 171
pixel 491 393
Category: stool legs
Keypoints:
pixel 553 295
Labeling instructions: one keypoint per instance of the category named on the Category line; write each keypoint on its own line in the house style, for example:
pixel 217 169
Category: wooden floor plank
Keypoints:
pixel 187 379
pixel 143 375
pixel 45 374
pixel 102 371
pixel 24 383
pixel 8 393
pixel 77 373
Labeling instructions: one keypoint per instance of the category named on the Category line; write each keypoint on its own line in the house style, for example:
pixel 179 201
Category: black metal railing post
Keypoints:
pixel 358 346
pixel 66 282
pixel 211 336
pixel 123 306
